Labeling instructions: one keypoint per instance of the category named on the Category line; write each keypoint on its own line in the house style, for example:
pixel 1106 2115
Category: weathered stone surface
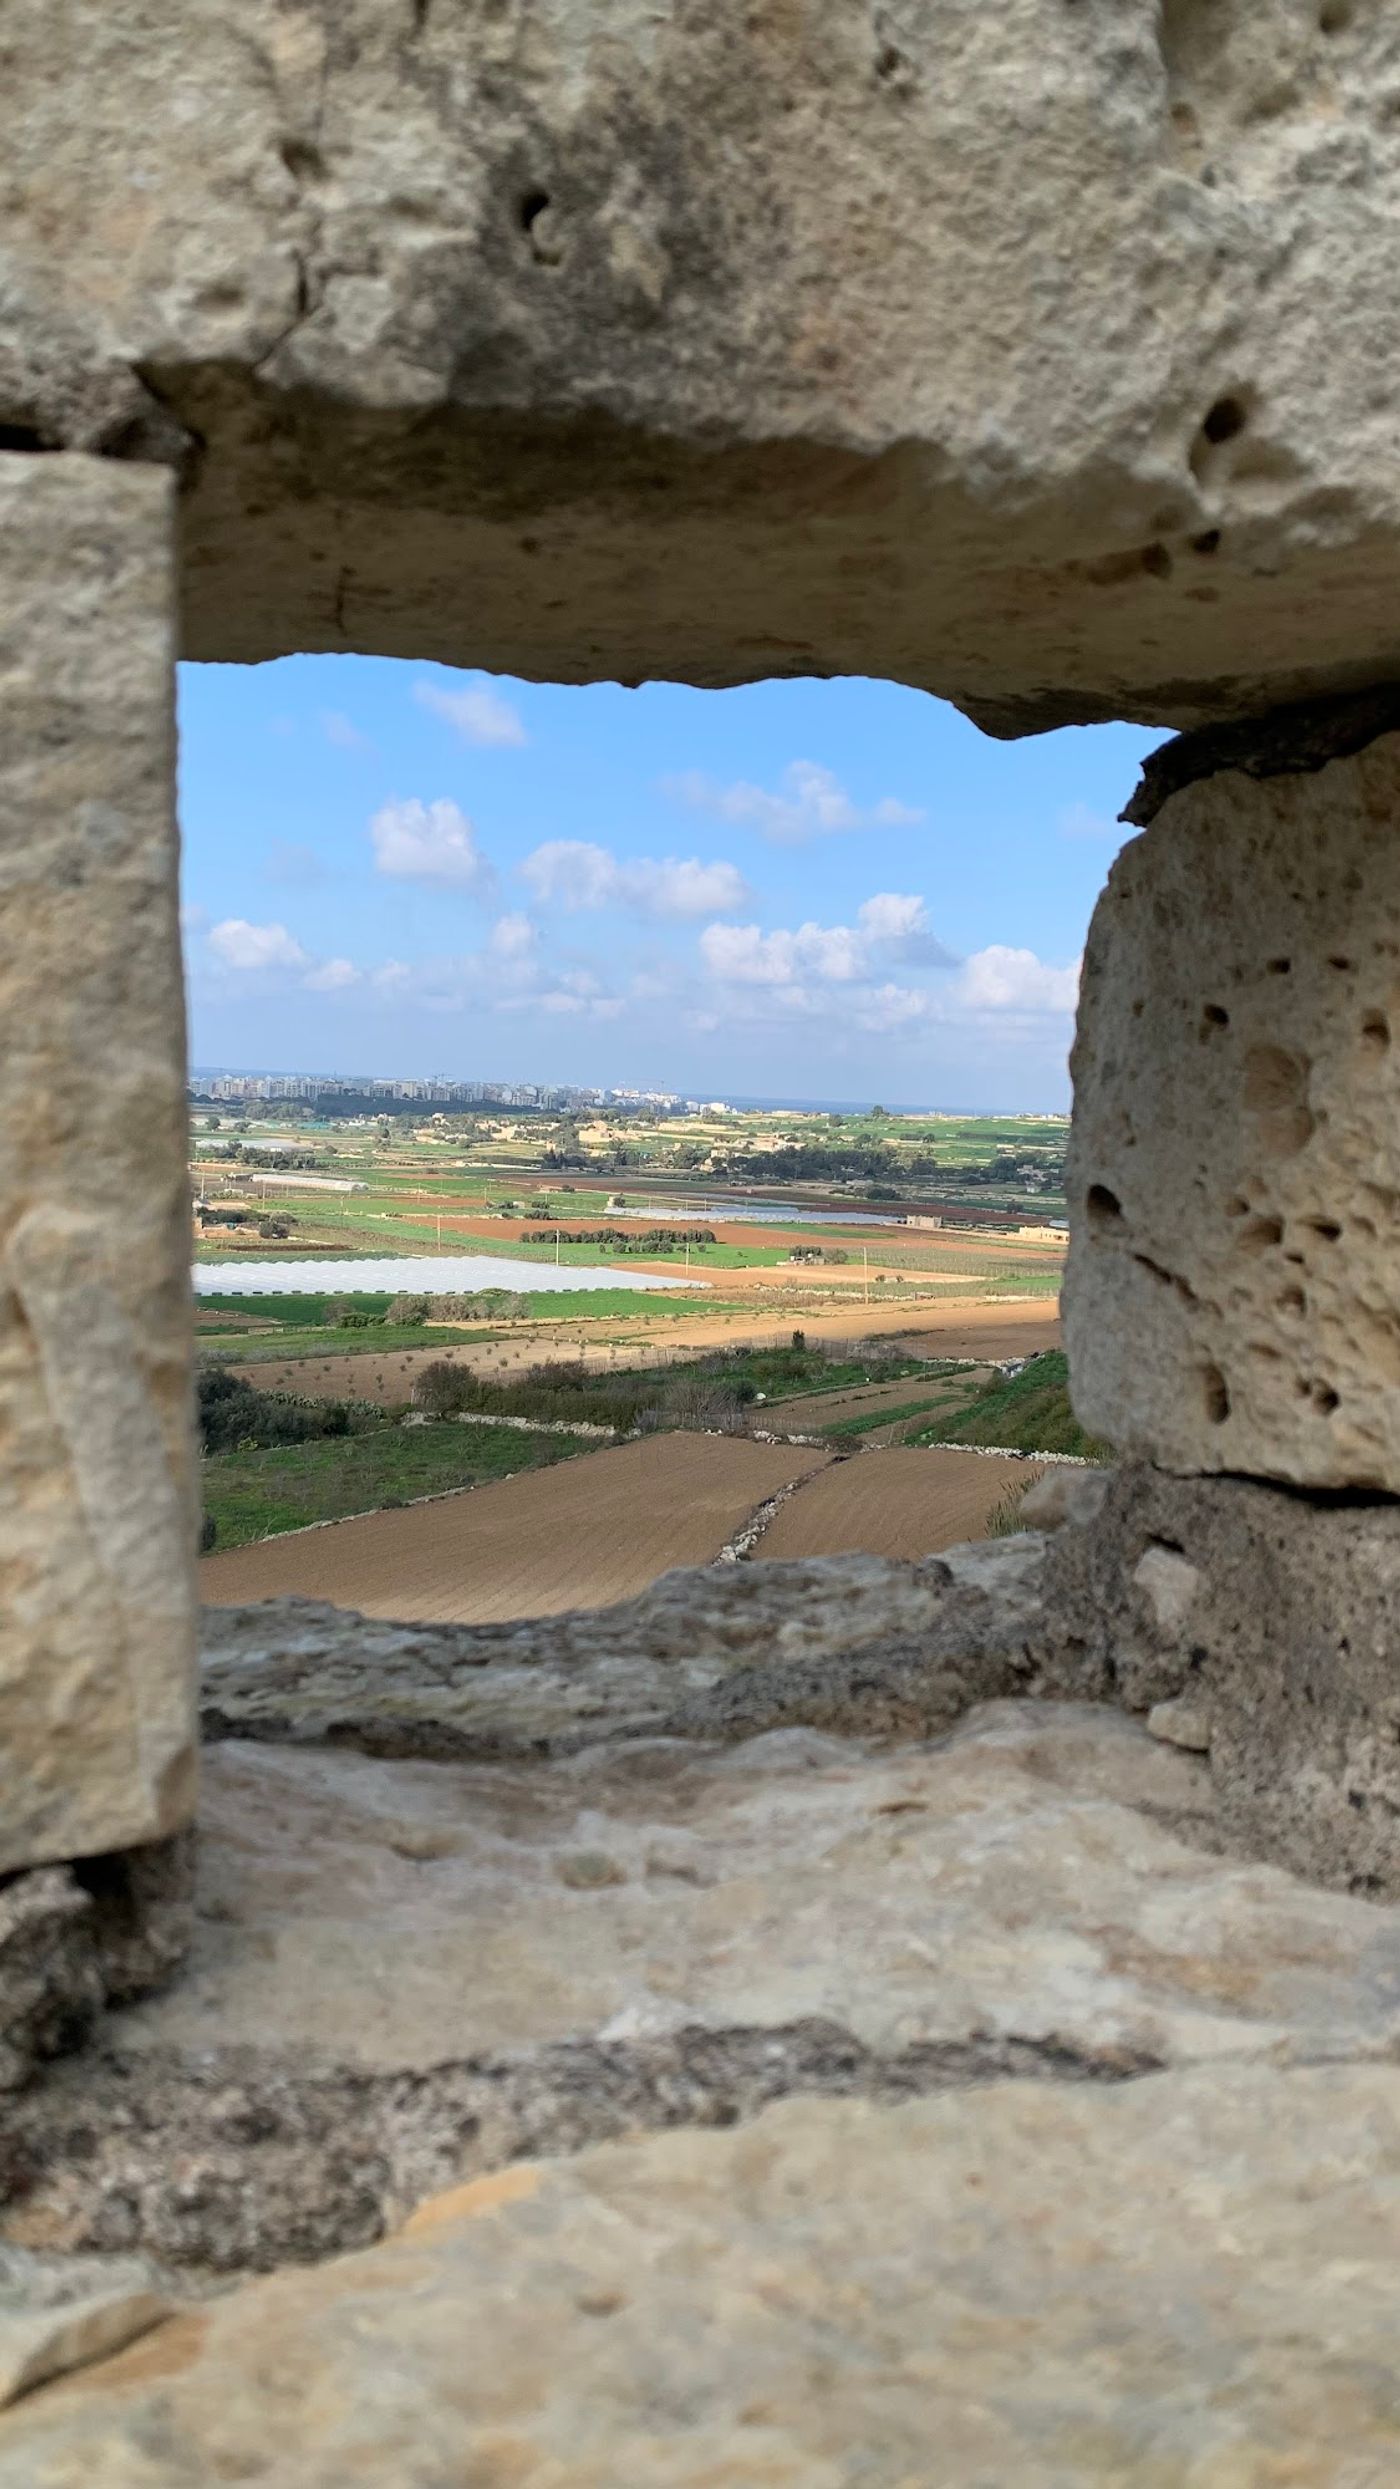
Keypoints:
pixel 96 1529
pixel 1276 1619
pixel 1060 1495
pixel 75 1938
pixel 1230 1301
pixel 50 1985
pixel 406 1972
pixel 851 1643
pixel 983 348
pixel 57 2313
pixel 1187 2279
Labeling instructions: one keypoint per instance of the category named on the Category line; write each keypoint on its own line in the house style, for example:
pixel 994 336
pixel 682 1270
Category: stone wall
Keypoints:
pixel 1232 1300
pixel 96 1512
pixel 1043 355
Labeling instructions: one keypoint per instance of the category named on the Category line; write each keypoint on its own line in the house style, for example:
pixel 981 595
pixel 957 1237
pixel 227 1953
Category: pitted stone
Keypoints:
pixel 1043 356
pixel 1230 1300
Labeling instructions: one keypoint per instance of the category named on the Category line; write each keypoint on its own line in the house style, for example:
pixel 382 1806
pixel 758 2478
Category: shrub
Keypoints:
pixel 705 1405
pixel 233 1416
pixel 445 1389
pixel 409 1309
pixel 1004 1519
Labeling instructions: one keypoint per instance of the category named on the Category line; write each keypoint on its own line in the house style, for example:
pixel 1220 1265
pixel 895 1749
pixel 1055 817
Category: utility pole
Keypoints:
pixel 556 1248
pixel 865 1257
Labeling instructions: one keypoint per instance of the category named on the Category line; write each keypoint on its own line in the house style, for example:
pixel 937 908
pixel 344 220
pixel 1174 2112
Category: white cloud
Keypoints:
pixel 892 925
pixel 414 841
pixel 478 712
pixel 897 1006
pixel 898 923
pixel 513 937
pixel 572 873
pixel 811 803
pixel 237 944
pixel 742 955
pixel 343 732
pixel 332 976
pixel 1001 979
pixel 504 975
pixel 273 955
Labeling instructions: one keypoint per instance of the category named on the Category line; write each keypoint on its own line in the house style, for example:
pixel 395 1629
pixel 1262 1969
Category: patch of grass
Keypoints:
pixel 1030 1412
pixel 252 1495
pixel 251 1348
pixel 800 1373
pixel 1004 1520
pixel 872 1419
pixel 572 1305
pixel 301 1329
pixel 299 1313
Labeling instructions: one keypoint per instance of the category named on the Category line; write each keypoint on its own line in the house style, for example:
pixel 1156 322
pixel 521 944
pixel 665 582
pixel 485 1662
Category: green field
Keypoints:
pixel 297 1336
pixel 258 1494
pixel 1027 1412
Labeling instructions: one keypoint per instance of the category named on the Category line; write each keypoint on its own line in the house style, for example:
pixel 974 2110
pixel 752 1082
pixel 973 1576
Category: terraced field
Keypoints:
pixel 897 1503
pixel 808 1412
pixel 596 1529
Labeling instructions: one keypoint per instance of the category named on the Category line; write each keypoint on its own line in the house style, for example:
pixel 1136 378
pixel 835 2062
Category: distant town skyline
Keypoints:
pixel 224 1084
pixel 804 891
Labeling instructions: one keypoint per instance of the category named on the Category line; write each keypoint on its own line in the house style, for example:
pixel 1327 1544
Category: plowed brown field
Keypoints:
pixel 595 1529
pixel 896 1503
pixel 809 1410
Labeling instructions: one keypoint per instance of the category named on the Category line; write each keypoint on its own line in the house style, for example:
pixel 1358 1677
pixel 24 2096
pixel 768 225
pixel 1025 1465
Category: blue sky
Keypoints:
pixel 797 889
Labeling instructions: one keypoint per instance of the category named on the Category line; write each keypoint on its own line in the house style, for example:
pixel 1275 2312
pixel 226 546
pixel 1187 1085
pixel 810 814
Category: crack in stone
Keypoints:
pixel 240 2159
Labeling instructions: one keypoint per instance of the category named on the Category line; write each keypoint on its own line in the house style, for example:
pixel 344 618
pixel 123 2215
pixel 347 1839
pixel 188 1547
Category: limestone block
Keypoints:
pixel 1191 2278
pixel 1232 1299
pixel 716 1651
pixel 1041 355
pixel 1282 1661
pixel 96 1529
pixel 408 1973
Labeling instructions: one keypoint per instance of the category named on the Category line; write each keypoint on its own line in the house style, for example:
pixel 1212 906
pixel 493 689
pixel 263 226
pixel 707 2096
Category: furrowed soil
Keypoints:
pixel 807 1411
pixel 994 1330
pixel 597 1529
pixel 894 1503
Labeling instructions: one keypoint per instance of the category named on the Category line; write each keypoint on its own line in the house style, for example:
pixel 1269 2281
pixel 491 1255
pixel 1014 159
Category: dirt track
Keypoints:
pixel 594 1530
pixel 893 1504
pixel 992 1329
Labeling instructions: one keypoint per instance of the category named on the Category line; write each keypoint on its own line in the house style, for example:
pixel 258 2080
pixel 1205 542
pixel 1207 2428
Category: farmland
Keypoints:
pixel 891 1503
pixel 257 1493
pixel 593 1530
pixel 779 1228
